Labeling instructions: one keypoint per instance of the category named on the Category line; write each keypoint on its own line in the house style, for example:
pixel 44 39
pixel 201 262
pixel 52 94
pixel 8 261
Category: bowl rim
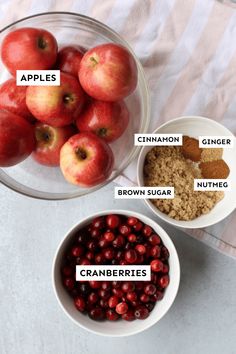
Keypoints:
pixel 16 186
pixel 139 170
pixel 164 234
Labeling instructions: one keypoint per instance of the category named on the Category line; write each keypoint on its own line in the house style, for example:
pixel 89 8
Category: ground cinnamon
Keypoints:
pixel 190 149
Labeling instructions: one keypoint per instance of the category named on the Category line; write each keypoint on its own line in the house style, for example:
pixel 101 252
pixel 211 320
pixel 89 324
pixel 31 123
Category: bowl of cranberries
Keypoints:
pixel 116 308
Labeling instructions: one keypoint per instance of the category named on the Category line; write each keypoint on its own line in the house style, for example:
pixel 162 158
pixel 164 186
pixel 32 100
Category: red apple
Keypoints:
pixel 28 49
pixel 49 141
pixel 16 138
pixel 69 58
pixel 86 160
pixel 12 98
pixel 56 105
pixel 106 119
pixel 108 72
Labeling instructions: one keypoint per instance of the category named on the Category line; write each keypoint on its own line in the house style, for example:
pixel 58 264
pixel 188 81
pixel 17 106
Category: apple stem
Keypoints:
pixel 102 132
pixel 94 61
pixel 42 44
pixel 81 154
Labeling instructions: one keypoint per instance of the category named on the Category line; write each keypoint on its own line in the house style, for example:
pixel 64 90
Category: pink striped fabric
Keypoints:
pixel 188 51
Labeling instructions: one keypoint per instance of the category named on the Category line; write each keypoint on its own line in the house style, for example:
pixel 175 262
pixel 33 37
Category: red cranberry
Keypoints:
pixel 103 243
pixel 117 292
pixel 79 303
pixel 141 249
pixel 164 253
pixel 123 262
pixel 109 236
pixel 128 316
pixel 154 240
pixel 131 256
pixel 89 255
pixel 113 301
pixel 103 303
pixel 164 281
pixel 118 242
pixel 141 312
pixel 128 286
pixel 155 252
pixel 97 314
pixel 116 284
pixel 132 220
pixel 99 258
pixel 106 285
pixel 165 268
pixel 150 306
pixel 84 289
pixel 111 315
pixel 69 283
pixel 95 284
pixel 92 245
pixel 157 296
pixel 140 259
pixel 144 298
pixel 147 231
pixel 128 246
pixel 119 255
pixel 132 238
pixel 104 293
pixel 121 308
pixel 82 238
pixel 77 251
pixel 95 233
pixel 112 221
pixel 139 285
pixel 67 271
pixel 131 296
pixel 98 223
pixel 109 253
pixel 150 289
pixel 84 261
pixel 138 226
pixel 156 265
pixel 124 230
pixel 93 298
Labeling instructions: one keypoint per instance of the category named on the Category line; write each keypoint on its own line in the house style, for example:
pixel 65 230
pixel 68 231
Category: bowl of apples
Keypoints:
pixel 64 141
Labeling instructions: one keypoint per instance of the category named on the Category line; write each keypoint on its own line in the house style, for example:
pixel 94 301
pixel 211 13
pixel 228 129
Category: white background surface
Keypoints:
pixel 202 319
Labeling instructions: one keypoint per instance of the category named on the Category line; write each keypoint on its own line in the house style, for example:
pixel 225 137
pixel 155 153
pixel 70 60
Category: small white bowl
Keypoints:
pixel 195 126
pixel 119 328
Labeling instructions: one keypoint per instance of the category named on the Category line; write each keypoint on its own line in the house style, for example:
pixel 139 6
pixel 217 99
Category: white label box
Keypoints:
pixel 216 141
pixel 212 184
pixel 144 192
pixel 38 78
pixel 158 139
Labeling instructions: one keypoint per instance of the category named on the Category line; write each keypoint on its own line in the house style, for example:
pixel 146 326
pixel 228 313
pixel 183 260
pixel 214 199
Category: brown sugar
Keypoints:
pixel 190 149
pixel 211 154
pixel 214 169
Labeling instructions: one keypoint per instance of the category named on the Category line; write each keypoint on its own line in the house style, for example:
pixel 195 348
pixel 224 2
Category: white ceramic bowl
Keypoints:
pixel 119 328
pixel 195 126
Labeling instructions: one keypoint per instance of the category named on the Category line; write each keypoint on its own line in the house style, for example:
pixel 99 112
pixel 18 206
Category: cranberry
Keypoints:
pixel 69 283
pixel 132 238
pixel 109 253
pixel 164 253
pixel 132 220
pixel 119 255
pixel 131 256
pixel 138 226
pixel 139 285
pixel 95 284
pixel 114 262
pixel 124 230
pixel 97 314
pixel 84 261
pixel 111 315
pixel 112 221
pixel 113 301
pixel 79 304
pixel 84 289
pixel 150 289
pixel 116 284
pixel 150 306
pixel 156 265
pixel 103 303
pixel 77 251
pixel 131 296
pixel 89 255
pixel 165 268
pixel 141 312
pixel 147 231
pixel 121 308
pixel 92 245
pixel 123 262
pixel 164 281
pixel 98 223
pixel 105 294
pixel 155 252
pixel 106 285
pixel 141 249
pixel 93 298
pixel 128 286
pixel 109 236
pixel 140 259
pixel 144 298
pixel 118 292
pixel 103 243
pixel 157 296
pixel 99 258
pixel 118 242
pixel 128 316
pixel 67 271
pixel 128 246
pixel 82 238
pixel 95 233
pixel 154 240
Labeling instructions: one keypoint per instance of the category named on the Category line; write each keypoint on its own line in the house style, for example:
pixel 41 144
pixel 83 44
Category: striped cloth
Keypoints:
pixel 188 51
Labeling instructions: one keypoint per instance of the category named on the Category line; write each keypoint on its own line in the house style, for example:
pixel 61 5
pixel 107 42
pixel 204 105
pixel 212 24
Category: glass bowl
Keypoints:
pixel 38 181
